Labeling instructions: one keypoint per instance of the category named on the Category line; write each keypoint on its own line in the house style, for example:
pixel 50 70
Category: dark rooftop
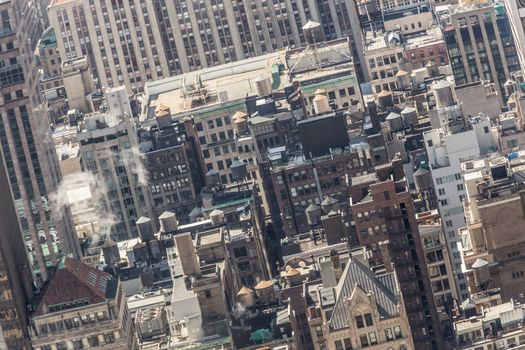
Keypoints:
pixel 76 284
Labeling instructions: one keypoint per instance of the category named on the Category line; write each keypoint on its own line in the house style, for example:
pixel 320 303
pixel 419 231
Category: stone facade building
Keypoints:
pixel 82 307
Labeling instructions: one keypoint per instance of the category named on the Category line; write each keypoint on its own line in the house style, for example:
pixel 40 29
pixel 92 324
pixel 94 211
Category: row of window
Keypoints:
pixel 79 344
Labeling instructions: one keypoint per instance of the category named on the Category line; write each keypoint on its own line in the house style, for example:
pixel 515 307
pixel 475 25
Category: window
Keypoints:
pixel 429 143
pixel 210 124
pixel 240 252
pixel 93 341
pixel 364 340
pixel 77 344
pixel 109 338
pixel 338 345
pixel 448 223
pixel 368 320
pixel 486 129
pixel 202 140
pixel 218 122
pixel 373 338
pixel 441 191
pixel 388 334
pixel 61 345
pixel 198 126
pixel 397 332
pixel 359 321
pixel 347 343
pixel 207 293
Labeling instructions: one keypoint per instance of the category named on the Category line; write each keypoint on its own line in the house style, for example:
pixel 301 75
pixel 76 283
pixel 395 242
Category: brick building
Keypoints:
pixel 385 224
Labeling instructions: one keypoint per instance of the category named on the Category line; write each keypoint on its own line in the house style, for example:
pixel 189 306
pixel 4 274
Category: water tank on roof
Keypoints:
pixel 110 252
pixel 217 217
pixel 403 79
pixel 313 33
pixel 394 121
pixel 422 179
pixel 168 222
pixel 212 178
pixel 444 93
pixel 263 85
pixel 329 204
pixel 240 125
pixel 321 104
pixel 238 170
pixel 246 297
pixel 145 228
pixel 313 214
pixel 385 99
pixel 481 273
pixel 409 115
pixel 265 291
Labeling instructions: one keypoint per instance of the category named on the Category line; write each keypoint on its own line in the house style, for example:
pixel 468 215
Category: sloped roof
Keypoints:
pixel 76 281
pixel 382 287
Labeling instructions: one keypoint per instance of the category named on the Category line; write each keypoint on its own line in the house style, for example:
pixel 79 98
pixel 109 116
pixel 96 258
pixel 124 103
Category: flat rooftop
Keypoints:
pixel 224 83
pixel 210 237
pixel 224 88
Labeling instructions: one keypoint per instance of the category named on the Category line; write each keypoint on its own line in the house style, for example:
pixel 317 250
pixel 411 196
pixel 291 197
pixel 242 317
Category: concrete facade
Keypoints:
pixel 28 150
pixel 153 40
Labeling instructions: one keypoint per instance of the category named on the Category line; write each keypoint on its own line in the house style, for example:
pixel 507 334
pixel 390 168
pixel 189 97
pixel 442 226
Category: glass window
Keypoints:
pixel 368 320
pixel 388 334
pixel 364 340
pixel 373 338
pixel 359 321
pixel 397 332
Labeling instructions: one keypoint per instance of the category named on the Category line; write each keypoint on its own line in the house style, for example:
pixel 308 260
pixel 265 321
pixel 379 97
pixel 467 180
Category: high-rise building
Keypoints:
pixel 25 138
pixel 480 43
pixel 385 223
pixel 457 139
pixel 493 236
pixel 109 150
pixel 131 42
pixel 171 158
pixel 82 307
pixel 15 273
pixel 516 10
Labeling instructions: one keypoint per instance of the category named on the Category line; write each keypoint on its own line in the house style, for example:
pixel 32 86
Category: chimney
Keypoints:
pixel 383 247
pixel 188 256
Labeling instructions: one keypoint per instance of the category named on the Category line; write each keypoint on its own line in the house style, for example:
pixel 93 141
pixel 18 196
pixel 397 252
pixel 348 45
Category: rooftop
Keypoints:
pixel 76 284
pixel 356 274
pixel 223 88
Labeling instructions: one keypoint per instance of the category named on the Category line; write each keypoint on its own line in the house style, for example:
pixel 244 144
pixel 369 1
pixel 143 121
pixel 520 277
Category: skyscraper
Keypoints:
pixel 131 42
pixel 15 272
pixel 516 10
pixel 29 154
pixel 480 43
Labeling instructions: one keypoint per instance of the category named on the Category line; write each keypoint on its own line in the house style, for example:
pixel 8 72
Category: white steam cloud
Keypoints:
pixel 98 214
pixel 67 195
